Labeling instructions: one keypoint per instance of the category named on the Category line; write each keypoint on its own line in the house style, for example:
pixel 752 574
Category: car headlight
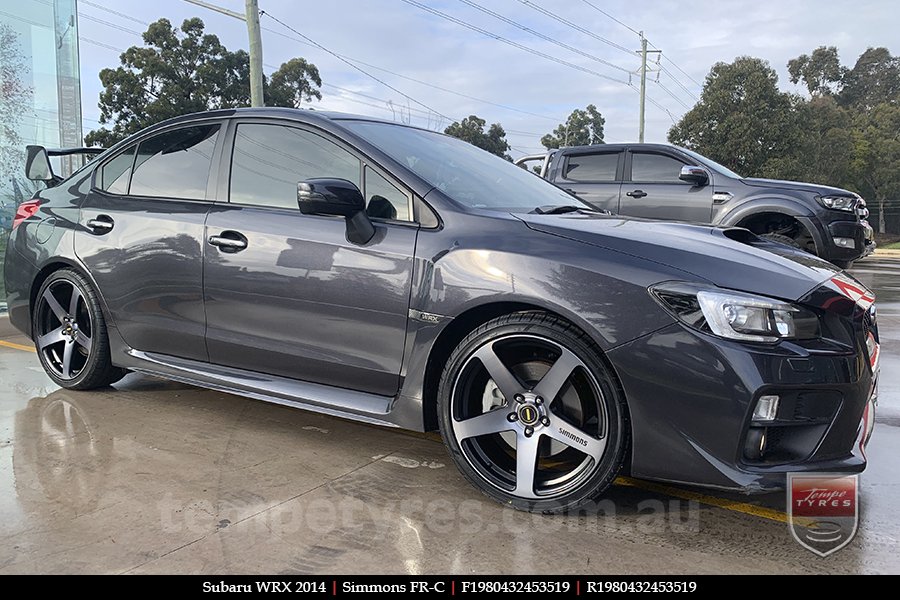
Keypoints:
pixel 736 315
pixel 845 203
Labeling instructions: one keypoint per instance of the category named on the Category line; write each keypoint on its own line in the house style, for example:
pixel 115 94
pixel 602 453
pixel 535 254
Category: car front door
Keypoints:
pixel 654 191
pixel 141 238
pixel 286 293
pixel 595 177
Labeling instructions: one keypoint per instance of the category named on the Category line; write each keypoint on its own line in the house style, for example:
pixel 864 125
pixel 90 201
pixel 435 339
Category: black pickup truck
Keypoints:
pixel 658 181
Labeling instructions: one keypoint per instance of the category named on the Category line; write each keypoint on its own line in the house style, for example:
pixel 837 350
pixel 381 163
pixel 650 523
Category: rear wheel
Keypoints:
pixel 531 415
pixel 70 333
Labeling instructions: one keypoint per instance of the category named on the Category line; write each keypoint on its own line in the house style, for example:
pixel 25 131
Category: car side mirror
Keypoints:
pixel 340 198
pixel 694 175
pixel 37 164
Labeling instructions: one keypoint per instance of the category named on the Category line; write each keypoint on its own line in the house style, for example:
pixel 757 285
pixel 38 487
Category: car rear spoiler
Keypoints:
pixel 37 161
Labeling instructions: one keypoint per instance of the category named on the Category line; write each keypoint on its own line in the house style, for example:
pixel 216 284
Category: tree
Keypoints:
pixel 183 70
pixel 471 129
pixel 292 84
pixel 821 72
pixel 876 155
pixel 873 80
pixel 582 128
pixel 15 103
pixel 742 120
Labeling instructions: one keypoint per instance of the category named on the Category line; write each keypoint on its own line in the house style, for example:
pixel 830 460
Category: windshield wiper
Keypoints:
pixel 559 209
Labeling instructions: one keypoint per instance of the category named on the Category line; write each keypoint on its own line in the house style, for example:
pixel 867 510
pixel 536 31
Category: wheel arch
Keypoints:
pixel 466 322
pixel 56 264
pixel 759 220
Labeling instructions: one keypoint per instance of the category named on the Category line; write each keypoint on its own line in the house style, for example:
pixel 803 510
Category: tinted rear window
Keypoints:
pixel 175 164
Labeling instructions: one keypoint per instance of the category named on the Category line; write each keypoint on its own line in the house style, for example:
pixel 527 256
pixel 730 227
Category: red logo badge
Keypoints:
pixel 823 510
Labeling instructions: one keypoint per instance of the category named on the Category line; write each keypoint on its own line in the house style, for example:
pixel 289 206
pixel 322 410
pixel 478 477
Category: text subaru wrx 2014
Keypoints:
pixel 397 276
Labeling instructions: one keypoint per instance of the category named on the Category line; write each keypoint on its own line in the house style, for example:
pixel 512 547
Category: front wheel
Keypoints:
pixel 531 414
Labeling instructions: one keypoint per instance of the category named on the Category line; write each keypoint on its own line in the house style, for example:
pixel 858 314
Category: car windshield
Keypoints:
pixel 708 162
pixel 471 176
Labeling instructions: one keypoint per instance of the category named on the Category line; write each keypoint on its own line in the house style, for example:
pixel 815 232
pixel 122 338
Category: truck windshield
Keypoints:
pixel 468 175
pixel 708 162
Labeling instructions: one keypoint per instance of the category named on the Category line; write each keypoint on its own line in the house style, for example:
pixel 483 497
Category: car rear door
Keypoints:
pixel 292 296
pixel 141 237
pixel 653 190
pixel 595 177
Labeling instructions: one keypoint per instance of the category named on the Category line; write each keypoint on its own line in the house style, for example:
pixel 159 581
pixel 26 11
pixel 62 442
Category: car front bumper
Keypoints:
pixel 691 398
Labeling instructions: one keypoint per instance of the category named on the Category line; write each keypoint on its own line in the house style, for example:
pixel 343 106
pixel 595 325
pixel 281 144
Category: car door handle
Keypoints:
pixel 637 194
pixel 101 224
pixel 571 191
pixel 229 241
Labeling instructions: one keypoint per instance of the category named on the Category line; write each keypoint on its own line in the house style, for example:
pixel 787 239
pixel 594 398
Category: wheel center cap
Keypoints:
pixel 529 414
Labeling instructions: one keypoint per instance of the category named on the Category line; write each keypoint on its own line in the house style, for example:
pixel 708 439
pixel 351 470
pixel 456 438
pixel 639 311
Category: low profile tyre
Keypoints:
pixel 531 414
pixel 70 333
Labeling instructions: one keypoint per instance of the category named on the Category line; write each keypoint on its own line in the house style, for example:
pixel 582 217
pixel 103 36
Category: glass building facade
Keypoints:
pixel 40 94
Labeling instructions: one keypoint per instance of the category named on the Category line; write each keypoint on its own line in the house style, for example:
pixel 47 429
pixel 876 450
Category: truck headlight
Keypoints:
pixel 844 203
pixel 736 315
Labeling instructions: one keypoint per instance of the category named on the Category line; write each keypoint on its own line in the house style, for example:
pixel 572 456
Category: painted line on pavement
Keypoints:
pixel 16 346
pixel 649 486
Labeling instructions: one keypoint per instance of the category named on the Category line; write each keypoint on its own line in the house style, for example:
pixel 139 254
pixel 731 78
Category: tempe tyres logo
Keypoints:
pixel 823 510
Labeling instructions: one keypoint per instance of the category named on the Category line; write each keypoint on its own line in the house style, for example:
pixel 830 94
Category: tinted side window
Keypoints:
pixel 655 168
pixel 269 160
pixel 175 164
pixel 592 167
pixel 113 176
pixel 384 200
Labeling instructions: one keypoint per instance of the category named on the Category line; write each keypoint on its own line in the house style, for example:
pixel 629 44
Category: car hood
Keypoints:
pixel 731 258
pixel 796 185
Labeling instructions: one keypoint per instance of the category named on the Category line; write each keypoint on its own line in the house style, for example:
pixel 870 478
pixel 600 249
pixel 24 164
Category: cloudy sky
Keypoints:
pixel 456 71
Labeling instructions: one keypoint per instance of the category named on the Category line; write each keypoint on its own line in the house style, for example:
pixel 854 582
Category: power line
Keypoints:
pixel 606 41
pixel 499 38
pixel 347 62
pixel 575 26
pixel 111 11
pixel 678 82
pixel 683 72
pixel 600 10
pixel 355 60
pixel 544 37
pixel 673 96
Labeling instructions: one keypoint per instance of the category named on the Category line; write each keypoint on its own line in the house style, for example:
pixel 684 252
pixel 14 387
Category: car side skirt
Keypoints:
pixel 338 402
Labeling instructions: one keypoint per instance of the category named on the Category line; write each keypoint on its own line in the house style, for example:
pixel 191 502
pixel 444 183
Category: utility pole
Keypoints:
pixel 643 86
pixel 256 58
pixel 643 52
pixel 251 17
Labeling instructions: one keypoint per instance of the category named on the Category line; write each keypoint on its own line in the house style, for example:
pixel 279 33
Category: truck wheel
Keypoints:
pixel 781 239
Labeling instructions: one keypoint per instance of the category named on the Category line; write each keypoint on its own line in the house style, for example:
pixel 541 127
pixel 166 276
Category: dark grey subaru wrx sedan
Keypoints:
pixel 397 276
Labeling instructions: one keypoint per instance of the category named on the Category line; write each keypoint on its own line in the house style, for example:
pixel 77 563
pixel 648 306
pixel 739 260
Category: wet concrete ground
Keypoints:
pixel 158 477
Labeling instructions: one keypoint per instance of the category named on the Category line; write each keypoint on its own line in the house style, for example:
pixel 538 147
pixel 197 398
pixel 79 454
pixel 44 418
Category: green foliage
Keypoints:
pixel 847 134
pixel 582 128
pixel 742 120
pixel 15 103
pixel 471 129
pixel 821 72
pixel 873 80
pixel 876 155
pixel 295 82
pixel 183 70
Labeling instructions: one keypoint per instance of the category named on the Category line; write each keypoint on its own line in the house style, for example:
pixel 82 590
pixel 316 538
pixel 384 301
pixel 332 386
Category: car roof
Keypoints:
pixel 309 115
pixel 614 147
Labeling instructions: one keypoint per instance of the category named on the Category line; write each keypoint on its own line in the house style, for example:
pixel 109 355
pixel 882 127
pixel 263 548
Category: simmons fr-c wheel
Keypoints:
pixel 532 415
pixel 70 333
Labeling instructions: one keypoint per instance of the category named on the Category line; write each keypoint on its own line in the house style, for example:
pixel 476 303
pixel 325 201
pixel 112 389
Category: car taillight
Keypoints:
pixel 25 210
